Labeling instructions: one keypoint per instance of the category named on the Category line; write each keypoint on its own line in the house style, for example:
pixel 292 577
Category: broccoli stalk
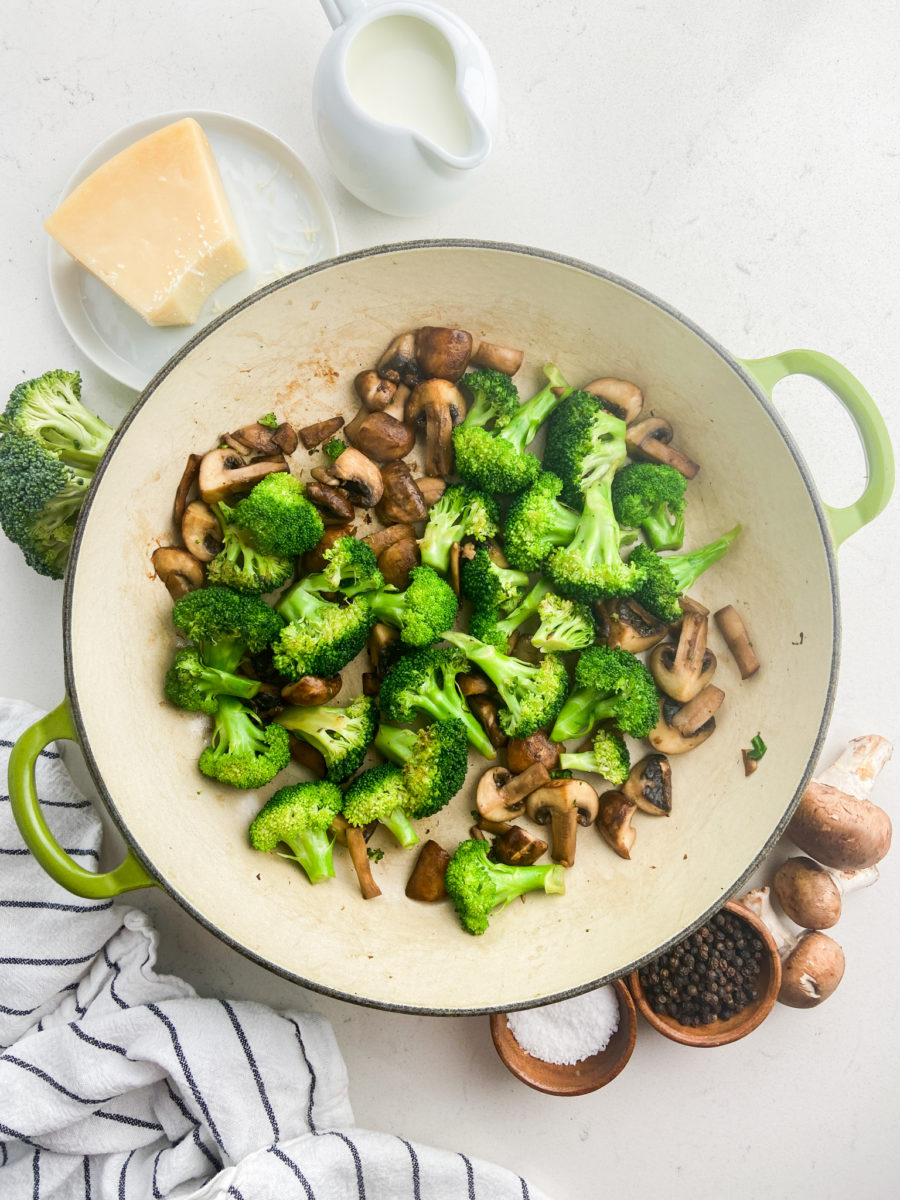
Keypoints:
pixel 608 756
pixel 422 612
pixel 532 693
pixel 243 752
pixel 650 496
pixel 320 637
pixel 536 523
pixel 193 685
pixel 565 625
pixel 341 735
pixel 590 567
pixel 240 564
pixel 664 580
pixel 477 886
pixel 49 411
pixel 379 795
pixel 300 816
pixel 611 685
pixel 487 625
pixel 434 762
pixel 460 513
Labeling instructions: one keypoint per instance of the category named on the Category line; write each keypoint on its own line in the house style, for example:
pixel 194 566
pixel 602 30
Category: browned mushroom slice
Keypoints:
pixel 565 804
pixel 187 481
pixel 309 691
pixel 501 795
pixel 734 631
pixel 614 822
pixel 285 437
pixel 222 472
pixel 516 847
pixel 437 406
pixel 398 363
pixel 201 531
pixel 354 839
pixel 180 571
pixel 698 710
pixel 314 560
pixel 401 501
pixel 306 755
pixel 667 739
pixel 379 541
pixel 427 879
pixel 618 396
pixel 453 567
pixel 650 440
pixel 475 683
pixel 649 785
pixel 381 641
pixel 431 488
pixel 259 439
pixel 359 476
pixel 498 358
pixel 396 562
pixel 624 623
pixel 536 748
pixel 319 431
pixel 683 670
pixel 442 353
pixel 380 436
pixel 488 718
pixel 373 391
pixel 332 502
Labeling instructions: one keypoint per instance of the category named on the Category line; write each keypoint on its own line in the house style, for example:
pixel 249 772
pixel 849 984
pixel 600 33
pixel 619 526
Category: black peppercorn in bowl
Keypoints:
pixel 715 986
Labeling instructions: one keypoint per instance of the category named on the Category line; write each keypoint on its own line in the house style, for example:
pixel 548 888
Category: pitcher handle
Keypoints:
pixel 340 11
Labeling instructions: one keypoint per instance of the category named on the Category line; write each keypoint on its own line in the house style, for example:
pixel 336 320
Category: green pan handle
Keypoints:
pixel 868 421
pixel 40 841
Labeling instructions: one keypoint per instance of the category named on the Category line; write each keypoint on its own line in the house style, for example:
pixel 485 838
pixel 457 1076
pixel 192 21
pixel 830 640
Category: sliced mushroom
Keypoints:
pixel 223 472
pixel 442 353
pixel 180 571
pixel 498 358
pixel 620 397
pixel 285 438
pixel 319 432
pixel 667 739
pixel 259 439
pixel 811 895
pixel 683 670
pixel 201 531
pixel 354 839
pixel 374 392
pixel 624 623
pixel 536 748
pixel 649 785
pixel 699 710
pixel 382 538
pixel 427 879
pixel 516 847
pixel 437 405
pixel 333 504
pixel 488 718
pixel 650 441
pixel 614 822
pixel 306 755
pixel 453 567
pixel 396 562
pixel 501 795
pixel 382 639
pixel 475 683
pixel 401 501
pixel 398 363
pixel 431 488
pixel 187 481
pixel 734 631
pixel 360 476
pixel 566 804
pixel 380 436
pixel 309 691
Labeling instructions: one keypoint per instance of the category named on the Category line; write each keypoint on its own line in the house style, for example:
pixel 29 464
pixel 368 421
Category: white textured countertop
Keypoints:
pixel 741 162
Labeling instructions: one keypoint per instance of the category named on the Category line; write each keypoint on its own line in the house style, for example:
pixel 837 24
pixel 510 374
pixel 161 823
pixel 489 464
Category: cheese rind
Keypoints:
pixel 155 225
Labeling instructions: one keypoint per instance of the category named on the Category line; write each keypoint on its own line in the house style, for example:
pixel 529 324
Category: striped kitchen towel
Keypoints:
pixel 119 1083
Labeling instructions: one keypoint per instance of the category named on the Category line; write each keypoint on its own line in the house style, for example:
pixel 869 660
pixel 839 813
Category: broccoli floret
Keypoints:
pixel 190 683
pixel 477 886
pixel 243 752
pixel 334 447
pixel 300 816
pixel 489 586
pixel 590 567
pixel 488 623
pixel 494 395
pixel 321 637
pixel 422 612
pixel 650 497
pixel 269 420
pixel 610 685
pixel 585 443
pixel 424 681
pixel 460 513
pixel 565 625
pixel 350 567
pixel 608 756
pixel 341 735
pixel 663 580
pixel 497 460
pixel 49 410
pixel 40 499
pixel 279 517
pixel 240 564
pixel 532 693
pixel 536 523
pixel 434 762
pixel 379 795
pixel 226 624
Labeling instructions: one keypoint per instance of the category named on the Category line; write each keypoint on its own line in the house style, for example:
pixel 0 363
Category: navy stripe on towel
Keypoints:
pixel 289 1162
pixel 414 1159
pixel 312 1078
pixel 54 1083
pixel 257 1078
pixel 189 1078
pixel 470 1177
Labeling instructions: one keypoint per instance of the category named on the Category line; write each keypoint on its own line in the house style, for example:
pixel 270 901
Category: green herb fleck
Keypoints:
pixel 376 854
pixel 269 420
pixel 758 748
pixel 334 446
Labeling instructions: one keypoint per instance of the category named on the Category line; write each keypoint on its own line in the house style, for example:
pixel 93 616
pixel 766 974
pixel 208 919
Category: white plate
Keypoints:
pixel 284 222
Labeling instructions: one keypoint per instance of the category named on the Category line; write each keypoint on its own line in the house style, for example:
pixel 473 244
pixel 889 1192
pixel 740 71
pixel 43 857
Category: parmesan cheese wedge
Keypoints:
pixel 154 224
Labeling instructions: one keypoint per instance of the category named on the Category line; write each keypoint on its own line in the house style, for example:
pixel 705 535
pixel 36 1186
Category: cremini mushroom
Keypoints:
pixel 201 531
pixel 732 628
pixel 649 785
pixel 623 623
pixel 437 405
pixel 614 822
pixel 401 501
pixel 380 436
pixel 306 755
pixel 488 716
pixel 835 823
pixel 398 363
pixel 536 748
pixel 382 641
pixel 427 879
pixel 432 488
pixel 683 670
pixel 667 738
pixel 565 804
pixel 258 439
pixel 619 396
pixel 185 483
pixel 354 839
pixel 501 795
pixel 812 963
pixel 397 560
pixel 180 571
pixel 359 476
pixel 333 504
pixel 517 847
pixel 222 472
pixel 319 431
pixel 373 391
pixel 498 358
pixel 811 895
pixel 314 560
pixel 650 440
pixel 442 353
pixel 397 531
pixel 311 690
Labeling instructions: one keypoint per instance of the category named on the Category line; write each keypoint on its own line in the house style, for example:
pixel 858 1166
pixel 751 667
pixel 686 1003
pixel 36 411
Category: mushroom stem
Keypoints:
pixel 526 782
pixel 694 715
pixel 857 767
pixel 353 837
pixel 563 830
pixel 812 963
pixel 734 631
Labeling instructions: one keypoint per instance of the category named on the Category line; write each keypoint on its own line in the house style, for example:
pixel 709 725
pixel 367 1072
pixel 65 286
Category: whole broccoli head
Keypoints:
pixel 651 497
pixel 226 624
pixel 279 517
pixel 460 513
pixel 350 567
pixel 341 735
pixel 300 816
pixel 422 612
pixel 536 523
pixel 610 685
pixel 434 761
pixel 585 443
pixel 320 636
pixel 488 585
pixel 50 412
pixel 477 886
pixel 608 756
pixel 240 564
pixel 378 794
pixel 193 685
pixel 243 752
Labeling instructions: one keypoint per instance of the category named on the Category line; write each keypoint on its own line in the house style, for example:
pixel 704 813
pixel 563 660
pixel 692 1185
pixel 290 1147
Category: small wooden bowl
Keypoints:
pixel 720 1033
pixel 577 1079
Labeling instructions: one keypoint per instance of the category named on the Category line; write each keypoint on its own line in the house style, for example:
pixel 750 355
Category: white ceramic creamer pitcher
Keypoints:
pixel 405 103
